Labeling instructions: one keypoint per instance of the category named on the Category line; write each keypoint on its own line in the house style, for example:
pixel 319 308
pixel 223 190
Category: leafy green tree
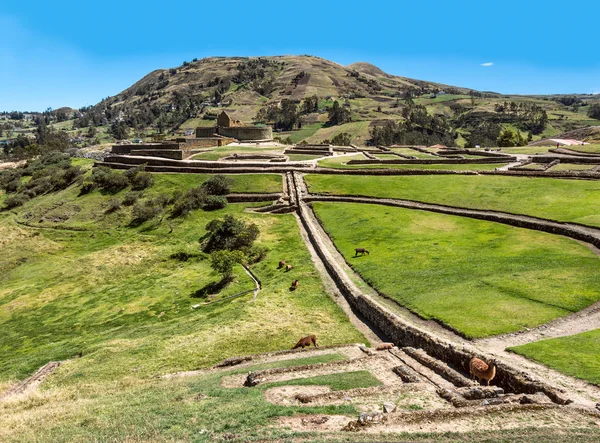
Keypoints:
pixel 338 115
pixel 230 234
pixel 342 139
pixel 119 130
pixel 594 111
pixel 223 261
pixel 507 138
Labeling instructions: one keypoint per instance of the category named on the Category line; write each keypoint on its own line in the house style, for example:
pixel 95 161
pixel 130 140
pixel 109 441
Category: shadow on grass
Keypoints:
pixel 212 288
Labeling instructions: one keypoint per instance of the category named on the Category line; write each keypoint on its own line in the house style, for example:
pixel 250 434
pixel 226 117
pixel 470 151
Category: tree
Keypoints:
pixel 338 115
pixel 223 261
pixel 507 138
pixel 230 234
pixel 594 111
pixel 342 139
pixel 119 130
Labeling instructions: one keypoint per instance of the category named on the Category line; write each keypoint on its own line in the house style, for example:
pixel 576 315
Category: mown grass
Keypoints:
pixel 224 151
pixel 337 382
pixel 478 277
pixel 341 163
pixel 577 355
pixel 253 183
pixel 572 167
pixel 590 149
pixel 558 199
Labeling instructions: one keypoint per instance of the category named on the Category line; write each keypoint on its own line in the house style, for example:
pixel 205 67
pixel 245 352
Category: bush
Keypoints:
pixel 109 180
pixel 131 197
pixel 15 200
pixel 142 180
pixel 143 211
pixel 213 202
pixel 217 185
pixel 114 204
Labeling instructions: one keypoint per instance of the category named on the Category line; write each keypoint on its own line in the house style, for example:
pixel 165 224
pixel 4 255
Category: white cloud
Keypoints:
pixel 487 64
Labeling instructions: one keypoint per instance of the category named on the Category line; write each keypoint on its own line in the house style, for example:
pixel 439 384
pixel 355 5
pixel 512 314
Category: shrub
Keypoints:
pixel 109 180
pixel 114 204
pixel 217 185
pixel 131 197
pixel 141 180
pixel 143 211
pixel 213 202
pixel 15 200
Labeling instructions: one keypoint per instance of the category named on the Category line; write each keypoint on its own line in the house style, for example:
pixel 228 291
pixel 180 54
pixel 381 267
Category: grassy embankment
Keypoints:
pixel 577 355
pixel 478 277
pixel 563 200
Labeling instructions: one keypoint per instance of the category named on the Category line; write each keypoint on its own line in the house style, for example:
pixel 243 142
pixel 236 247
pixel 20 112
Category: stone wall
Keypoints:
pixel 247 133
pixel 437 161
pixel 174 154
pixel 206 132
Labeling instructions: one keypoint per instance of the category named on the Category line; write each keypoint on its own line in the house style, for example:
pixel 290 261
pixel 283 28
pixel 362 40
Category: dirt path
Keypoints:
pixel 32 382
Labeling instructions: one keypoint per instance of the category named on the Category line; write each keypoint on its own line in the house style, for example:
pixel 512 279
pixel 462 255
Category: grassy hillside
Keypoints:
pixel 76 277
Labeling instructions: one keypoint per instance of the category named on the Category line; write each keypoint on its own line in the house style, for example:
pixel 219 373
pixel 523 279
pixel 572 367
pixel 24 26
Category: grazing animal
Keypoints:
pixel 384 346
pixel 307 341
pixel 361 251
pixel 281 264
pixel 294 285
pixel 481 370
pixel 288 268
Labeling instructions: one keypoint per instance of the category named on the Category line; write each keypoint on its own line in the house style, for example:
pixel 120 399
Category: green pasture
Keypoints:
pixel 577 355
pixel 480 278
pixel 558 199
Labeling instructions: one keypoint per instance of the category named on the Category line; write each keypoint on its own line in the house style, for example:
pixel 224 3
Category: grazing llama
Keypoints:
pixel 481 370
pixel 307 341
pixel 361 251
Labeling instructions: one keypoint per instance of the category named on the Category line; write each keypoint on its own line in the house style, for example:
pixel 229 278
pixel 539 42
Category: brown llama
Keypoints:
pixel 281 264
pixel 288 268
pixel 361 251
pixel 384 346
pixel 307 341
pixel 481 370
pixel 294 285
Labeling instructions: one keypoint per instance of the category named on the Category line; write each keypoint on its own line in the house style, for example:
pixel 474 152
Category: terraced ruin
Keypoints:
pixel 422 384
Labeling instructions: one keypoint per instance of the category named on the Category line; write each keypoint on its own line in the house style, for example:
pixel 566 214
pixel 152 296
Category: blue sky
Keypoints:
pixel 74 53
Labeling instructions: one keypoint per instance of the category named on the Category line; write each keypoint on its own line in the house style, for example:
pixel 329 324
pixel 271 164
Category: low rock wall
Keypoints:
pixel 437 161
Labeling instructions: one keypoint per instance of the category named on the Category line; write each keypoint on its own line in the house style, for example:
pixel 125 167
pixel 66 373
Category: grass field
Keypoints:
pixel 590 149
pixel 577 355
pixel 572 167
pixel 413 153
pixel 84 281
pixel 220 152
pixel 478 277
pixel 563 200
pixel 301 134
pixel 340 163
pixel 259 183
